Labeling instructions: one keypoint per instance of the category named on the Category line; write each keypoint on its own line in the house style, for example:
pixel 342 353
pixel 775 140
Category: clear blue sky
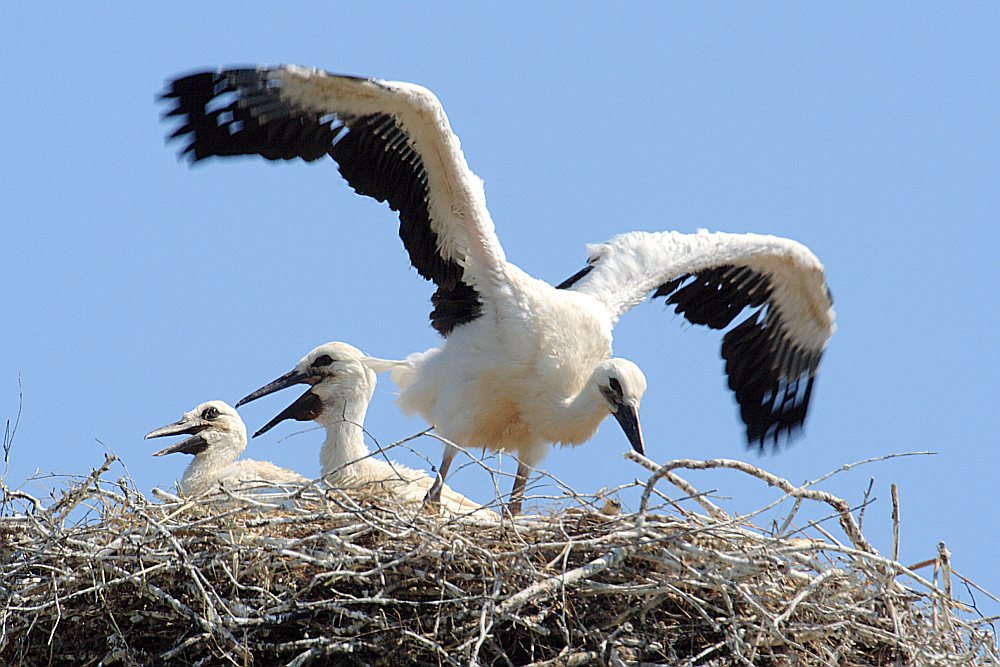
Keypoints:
pixel 134 287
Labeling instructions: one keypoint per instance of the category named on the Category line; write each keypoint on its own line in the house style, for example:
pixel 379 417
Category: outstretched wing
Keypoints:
pixel 710 278
pixel 391 141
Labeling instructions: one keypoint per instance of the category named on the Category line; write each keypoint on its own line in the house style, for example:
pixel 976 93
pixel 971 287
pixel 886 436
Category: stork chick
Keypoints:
pixel 217 438
pixel 341 387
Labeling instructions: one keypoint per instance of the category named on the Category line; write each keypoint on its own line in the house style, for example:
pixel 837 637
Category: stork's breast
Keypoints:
pixel 502 427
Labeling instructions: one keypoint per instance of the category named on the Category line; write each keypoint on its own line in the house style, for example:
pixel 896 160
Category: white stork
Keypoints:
pixel 524 363
pixel 341 387
pixel 218 437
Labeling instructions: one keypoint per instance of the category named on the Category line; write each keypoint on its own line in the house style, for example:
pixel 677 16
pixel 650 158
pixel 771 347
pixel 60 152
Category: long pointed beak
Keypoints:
pixel 306 407
pixel 286 380
pixel 628 418
pixel 193 445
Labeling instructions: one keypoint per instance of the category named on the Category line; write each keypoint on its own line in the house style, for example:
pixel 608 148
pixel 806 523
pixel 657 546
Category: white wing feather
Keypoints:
pixel 628 267
pixel 457 202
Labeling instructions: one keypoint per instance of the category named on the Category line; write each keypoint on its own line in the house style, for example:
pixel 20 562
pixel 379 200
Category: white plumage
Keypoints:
pixel 218 437
pixel 525 363
pixel 341 387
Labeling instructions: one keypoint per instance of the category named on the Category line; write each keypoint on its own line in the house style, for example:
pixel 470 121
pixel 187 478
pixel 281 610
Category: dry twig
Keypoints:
pixel 307 575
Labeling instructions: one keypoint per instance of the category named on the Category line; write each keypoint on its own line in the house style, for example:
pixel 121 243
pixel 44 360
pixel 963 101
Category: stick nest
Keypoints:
pixel 100 574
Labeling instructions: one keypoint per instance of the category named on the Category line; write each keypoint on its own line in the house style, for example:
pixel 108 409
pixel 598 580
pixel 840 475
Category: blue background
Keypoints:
pixel 134 287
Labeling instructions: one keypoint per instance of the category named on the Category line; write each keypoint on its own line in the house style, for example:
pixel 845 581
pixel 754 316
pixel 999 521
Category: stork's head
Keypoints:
pixel 213 426
pixel 339 380
pixel 621 385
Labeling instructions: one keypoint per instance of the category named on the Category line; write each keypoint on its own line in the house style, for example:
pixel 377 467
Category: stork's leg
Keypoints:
pixel 517 492
pixel 433 497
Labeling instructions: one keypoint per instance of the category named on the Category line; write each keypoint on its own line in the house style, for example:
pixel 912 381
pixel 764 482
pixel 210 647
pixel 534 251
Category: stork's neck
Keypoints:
pixel 578 418
pixel 345 438
pixel 203 471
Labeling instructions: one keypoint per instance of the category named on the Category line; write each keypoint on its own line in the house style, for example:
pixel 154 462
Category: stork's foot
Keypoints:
pixel 432 501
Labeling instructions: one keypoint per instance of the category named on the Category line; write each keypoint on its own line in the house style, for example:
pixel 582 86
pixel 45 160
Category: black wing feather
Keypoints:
pixel 772 377
pixel 242 112
pixel 573 279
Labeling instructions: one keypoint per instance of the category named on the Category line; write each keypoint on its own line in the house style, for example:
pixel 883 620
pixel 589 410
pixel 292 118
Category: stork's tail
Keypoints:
pixel 401 372
pixel 382 365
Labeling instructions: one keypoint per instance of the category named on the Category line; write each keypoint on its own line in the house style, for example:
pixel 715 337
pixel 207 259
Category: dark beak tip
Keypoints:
pixel 305 407
pixel 290 378
pixel 628 419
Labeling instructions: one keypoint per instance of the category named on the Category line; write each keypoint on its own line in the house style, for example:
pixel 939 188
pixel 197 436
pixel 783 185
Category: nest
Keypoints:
pixel 101 574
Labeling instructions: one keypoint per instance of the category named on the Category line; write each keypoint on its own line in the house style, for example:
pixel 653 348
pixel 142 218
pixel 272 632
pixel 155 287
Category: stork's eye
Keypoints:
pixel 211 414
pixel 613 399
pixel 616 386
pixel 322 360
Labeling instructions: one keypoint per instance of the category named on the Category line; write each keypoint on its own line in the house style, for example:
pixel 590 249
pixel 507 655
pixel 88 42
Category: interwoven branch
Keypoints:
pixel 315 575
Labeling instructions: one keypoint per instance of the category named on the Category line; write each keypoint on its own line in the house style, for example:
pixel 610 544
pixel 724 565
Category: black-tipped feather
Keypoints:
pixel 454 307
pixel 573 279
pixel 242 112
pixel 771 377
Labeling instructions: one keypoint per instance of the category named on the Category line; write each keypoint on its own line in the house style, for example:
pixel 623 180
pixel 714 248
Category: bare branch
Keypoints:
pixel 318 574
